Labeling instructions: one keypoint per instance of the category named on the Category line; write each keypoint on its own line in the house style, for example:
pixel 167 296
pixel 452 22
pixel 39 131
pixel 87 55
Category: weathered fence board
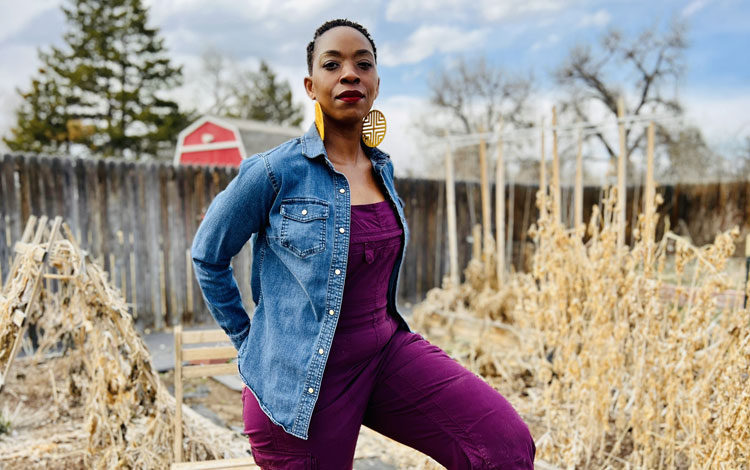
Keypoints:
pixel 138 221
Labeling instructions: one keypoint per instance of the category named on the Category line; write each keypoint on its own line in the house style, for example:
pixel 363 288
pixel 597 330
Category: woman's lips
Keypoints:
pixel 350 96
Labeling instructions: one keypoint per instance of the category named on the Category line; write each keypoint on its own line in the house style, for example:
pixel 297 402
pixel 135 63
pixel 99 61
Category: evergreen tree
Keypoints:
pixel 101 89
pixel 261 96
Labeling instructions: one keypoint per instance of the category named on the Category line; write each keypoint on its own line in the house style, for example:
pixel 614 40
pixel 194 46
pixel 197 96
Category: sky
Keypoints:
pixel 415 38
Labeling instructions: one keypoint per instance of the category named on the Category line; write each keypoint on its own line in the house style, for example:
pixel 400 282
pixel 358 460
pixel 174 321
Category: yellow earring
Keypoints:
pixel 319 120
pixel 373 128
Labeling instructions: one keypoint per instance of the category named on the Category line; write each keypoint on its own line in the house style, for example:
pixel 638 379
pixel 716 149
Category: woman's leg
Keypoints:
pixel 348 380
pixel 425 399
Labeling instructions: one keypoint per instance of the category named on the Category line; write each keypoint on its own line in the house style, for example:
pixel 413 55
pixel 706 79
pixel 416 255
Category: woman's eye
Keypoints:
pixel 330 65
pixel 365 65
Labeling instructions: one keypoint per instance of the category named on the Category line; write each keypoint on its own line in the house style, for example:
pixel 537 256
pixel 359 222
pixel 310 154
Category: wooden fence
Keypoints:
pixel 138 221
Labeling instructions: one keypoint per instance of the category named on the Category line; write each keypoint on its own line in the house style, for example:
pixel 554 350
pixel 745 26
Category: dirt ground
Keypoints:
pixel 46 432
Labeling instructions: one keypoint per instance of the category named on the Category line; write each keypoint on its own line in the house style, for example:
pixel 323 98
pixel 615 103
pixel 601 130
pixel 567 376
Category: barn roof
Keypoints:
pixel 255 136
pixel 260 136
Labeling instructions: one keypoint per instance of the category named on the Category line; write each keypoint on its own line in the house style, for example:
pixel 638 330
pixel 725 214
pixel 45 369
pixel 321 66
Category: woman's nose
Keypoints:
pixel 349 74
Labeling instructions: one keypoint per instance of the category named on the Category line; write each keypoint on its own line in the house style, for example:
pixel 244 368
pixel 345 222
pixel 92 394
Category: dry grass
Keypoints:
pixel 128 413
pixel 608 372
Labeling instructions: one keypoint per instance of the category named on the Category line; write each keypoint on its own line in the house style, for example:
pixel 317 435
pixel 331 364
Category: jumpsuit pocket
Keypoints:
pixel 277 460
pixel 303 225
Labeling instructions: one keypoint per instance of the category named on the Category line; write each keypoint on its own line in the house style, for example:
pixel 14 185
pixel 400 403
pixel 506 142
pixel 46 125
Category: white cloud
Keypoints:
pixel 693 7
pixel 16 15
pixel 428 40
pixel 459 10
pixel 549 41
pixel 721 116
pixel 599 19
pixel 400 140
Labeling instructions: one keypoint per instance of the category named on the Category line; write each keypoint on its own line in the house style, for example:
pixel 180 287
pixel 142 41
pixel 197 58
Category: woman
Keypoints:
pixel 329 236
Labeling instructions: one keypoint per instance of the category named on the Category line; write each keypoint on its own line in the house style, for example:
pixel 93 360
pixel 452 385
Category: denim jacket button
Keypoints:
pixel 310 390
pixel 337 271
pixel 342 230
pixel 330 312
pixel 320 351
pixel 342 190
pixel 304 211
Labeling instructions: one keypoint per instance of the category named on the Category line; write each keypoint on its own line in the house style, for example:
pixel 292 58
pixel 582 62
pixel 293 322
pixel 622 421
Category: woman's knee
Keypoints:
pixel 512 448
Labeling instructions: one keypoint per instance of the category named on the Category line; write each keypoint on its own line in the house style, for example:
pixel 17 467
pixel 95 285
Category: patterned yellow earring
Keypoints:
pixel 373 128
pixel 319 121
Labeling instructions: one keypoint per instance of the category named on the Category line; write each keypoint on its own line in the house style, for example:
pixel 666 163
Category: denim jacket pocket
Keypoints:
pixel 303 225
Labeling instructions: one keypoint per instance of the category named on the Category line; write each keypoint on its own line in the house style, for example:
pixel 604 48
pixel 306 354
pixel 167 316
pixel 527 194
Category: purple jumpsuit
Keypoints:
pixel 392 381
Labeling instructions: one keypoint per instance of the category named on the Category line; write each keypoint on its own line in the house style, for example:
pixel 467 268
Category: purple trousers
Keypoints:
pixel 392 381
pixel 408 389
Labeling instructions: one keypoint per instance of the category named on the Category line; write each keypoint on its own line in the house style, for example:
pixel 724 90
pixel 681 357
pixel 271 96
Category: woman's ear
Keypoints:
pixel 309 87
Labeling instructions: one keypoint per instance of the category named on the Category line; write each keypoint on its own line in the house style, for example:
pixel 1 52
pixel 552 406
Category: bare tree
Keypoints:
pixel 643 70
pixel 247 94
pixel 476 94
pixel 468 96
pixel 216 76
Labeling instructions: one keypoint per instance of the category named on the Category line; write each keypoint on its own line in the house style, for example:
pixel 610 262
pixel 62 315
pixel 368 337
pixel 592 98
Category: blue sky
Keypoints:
pixel 415 38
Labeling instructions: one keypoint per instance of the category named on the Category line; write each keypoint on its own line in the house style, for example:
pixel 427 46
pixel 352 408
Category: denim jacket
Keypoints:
pixel 296 207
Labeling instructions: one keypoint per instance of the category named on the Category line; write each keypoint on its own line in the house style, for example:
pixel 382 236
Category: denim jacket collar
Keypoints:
pixel 312 147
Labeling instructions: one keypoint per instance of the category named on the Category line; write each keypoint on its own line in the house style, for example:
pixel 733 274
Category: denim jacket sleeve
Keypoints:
pixel 235 214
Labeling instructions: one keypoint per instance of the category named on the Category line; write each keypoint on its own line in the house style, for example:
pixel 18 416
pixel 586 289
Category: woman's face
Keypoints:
pixel 344 79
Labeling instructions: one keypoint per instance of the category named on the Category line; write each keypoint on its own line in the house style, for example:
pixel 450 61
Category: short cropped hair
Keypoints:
pixel 332 24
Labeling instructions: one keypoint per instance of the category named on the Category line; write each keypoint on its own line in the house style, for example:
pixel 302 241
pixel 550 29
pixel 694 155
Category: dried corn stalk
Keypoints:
pixel 129 413
pixel 611 367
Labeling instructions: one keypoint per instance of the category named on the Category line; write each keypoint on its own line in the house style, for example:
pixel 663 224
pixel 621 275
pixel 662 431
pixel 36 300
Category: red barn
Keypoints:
pixel 224 141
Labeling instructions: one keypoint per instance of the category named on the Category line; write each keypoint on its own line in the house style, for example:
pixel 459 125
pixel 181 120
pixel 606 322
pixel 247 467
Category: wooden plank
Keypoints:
pixel 178 241
pixel 10 197
pixel 167 300
pixel 5 236
pixel 188 192
pixel 128 228
pixel 209 370
pixel 24 193
pixel 143 292
pixel 173 255
pixel 178 338
pixel 80 227
pixel 204 336
pixel 217 352
pixel 450 201
pixel 201 313
pixel 100 230
pixel 36 200
pixel 153 216
pixel 112 223
pixel 228 464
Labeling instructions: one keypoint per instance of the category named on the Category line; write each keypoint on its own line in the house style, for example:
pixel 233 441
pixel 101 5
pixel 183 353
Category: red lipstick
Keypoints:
pixel 350 96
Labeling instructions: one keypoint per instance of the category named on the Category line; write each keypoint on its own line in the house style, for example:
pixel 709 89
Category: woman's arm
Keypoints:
pixel 237 212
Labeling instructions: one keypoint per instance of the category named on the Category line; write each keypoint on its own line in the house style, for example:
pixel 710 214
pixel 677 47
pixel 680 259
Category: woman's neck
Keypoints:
pixel 343 144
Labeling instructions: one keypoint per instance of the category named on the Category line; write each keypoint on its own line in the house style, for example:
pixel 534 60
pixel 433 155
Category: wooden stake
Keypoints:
pixel 486 224
pixel 476 246
pixel 543 176
pixel 555 170
pixel 578 194
pixel 189 278
pixel 621 196
pixel 650 194
pixel 450 201
pixel 35 289
pixel 500 209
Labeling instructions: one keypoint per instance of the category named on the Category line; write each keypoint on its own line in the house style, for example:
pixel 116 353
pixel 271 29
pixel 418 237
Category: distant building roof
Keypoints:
pixel 213 140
